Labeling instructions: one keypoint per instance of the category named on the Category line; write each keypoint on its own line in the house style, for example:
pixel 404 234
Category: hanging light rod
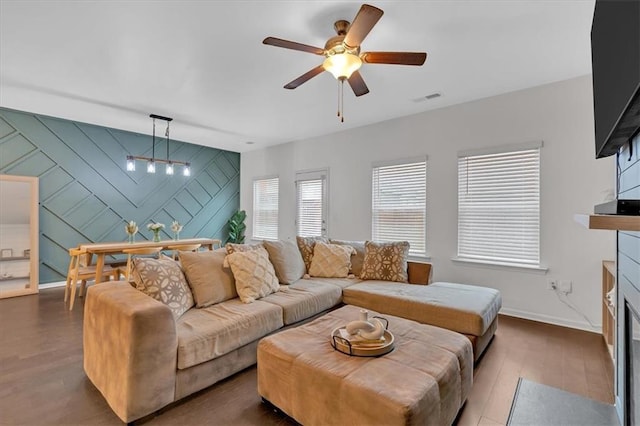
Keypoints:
pixel 159 117
pixel 151 161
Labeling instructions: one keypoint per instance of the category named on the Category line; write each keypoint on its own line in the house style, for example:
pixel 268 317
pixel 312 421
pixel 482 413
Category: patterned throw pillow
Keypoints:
pixel 385 261
pixel 254 274
pixel 331 260
pixel 305 244
pixel 235 248
pixel 163 280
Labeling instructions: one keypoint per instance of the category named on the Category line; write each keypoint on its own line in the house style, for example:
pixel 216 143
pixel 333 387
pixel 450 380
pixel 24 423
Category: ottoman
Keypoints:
pixel 424 380
pixel 467 309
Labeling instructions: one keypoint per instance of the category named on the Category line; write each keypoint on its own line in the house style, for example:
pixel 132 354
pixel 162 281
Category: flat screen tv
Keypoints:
pixel 615 58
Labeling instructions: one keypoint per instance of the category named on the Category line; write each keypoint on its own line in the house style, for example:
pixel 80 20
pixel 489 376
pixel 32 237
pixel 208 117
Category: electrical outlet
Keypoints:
pixel 552 285
pixel 564 286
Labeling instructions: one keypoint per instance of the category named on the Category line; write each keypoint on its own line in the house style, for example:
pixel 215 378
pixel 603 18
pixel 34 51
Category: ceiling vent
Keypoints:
pixel 428 97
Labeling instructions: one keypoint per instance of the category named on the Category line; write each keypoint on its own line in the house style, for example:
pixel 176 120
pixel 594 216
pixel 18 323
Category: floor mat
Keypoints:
pixel 540 405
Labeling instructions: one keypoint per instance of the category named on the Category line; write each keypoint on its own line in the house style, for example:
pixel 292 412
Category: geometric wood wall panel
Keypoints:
pixel 86 194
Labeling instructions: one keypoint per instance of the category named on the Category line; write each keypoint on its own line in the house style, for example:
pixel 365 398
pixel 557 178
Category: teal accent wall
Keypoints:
pixel 86 194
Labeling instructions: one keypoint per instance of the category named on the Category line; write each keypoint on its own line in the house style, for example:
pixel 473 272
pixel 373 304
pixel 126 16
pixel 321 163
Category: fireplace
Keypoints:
pixel 627 369
pixel 629 353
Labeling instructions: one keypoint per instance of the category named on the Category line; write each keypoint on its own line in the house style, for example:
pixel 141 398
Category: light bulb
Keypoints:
pixel 169 169
pixel 131 164
pixel 342 65
pixel 151 167
pixel 187 170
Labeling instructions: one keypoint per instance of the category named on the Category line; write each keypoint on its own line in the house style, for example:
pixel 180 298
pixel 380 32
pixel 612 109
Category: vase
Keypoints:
pixel 132 238
pixel 176 236
pixel 156 236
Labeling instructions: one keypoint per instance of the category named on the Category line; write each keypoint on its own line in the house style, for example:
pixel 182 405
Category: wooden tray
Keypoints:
pixel 343 345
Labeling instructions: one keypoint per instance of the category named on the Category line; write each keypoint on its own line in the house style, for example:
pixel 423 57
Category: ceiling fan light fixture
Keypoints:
pixel 342 65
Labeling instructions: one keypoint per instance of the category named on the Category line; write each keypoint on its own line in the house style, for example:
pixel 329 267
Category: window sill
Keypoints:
pixel 499 265
pixel 255 240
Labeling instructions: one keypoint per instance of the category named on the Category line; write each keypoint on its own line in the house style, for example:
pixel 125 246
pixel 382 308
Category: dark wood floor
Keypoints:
pixel 42 380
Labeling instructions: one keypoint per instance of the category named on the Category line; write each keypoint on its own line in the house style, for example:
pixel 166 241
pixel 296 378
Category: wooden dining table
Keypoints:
pixel 100 250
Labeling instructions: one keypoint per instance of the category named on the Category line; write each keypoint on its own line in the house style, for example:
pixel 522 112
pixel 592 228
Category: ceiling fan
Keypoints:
pixel 342 53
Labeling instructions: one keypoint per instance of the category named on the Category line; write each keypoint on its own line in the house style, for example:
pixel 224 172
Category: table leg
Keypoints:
pixel 99 267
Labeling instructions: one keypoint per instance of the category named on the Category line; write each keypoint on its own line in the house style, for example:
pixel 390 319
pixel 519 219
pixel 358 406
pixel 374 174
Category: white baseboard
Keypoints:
pixel 52 285
pixel 580 325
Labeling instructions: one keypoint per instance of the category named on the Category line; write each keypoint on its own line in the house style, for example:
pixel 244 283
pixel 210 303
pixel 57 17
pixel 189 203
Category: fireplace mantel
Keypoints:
pixel 607 221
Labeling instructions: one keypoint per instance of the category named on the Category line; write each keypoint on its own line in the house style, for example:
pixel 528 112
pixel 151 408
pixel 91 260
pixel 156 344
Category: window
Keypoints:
pixel 499 206
pixel 265 209
pixel 399 203
pixel 311 203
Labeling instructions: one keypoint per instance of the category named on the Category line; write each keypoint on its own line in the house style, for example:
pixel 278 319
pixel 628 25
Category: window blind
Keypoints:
pixel 311 205
pixel 399 199
pixel 499 207
pixel 265 208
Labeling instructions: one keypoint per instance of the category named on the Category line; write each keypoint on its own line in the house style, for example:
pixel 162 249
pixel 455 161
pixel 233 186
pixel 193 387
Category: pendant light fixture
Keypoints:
pixel 152 161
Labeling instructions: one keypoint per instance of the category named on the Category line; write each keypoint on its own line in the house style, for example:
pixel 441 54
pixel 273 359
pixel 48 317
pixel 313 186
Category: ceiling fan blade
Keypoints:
pixel 394 58
pixel 357 84
pixel 305 77
pixel 278 42
pixel 364 21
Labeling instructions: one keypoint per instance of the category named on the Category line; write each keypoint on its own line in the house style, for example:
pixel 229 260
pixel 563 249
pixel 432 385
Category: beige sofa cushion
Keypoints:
pixel 209 281
pixel 358 258
pixel 386 261
pixel 305 299
pixel 163 280
pixel 254 274
pixel 463 308
pixel 338 282
pixel 286 259
pixel 330 260
pixel 306 244
pixel 208 333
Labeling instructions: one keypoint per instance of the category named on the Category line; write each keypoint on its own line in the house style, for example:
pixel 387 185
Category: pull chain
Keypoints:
pixel 339 100
pixel 342 100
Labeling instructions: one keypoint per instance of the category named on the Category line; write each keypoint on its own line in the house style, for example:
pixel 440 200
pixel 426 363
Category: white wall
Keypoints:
pixel 572 181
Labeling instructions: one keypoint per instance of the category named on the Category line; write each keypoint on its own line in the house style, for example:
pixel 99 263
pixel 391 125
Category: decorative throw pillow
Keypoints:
pixel 305 244
pixel 385 261
pixel 233 248
pixel 330 260
pixel 254 274
pixel 286 259
pixel 164 281
pixel 209 281
pixel 358 258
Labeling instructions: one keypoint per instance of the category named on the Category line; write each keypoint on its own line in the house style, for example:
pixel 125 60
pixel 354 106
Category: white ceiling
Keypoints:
pixel 203 63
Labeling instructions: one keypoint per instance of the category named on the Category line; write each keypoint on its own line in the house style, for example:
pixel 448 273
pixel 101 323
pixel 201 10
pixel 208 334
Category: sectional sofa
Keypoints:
pixel 142 356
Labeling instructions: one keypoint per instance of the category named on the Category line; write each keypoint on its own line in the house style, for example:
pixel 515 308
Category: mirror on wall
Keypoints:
pixel 18 235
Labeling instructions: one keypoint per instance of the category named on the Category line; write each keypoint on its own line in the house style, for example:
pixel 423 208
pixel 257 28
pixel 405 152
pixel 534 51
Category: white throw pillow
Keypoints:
pixel 331 260
pixel 254 274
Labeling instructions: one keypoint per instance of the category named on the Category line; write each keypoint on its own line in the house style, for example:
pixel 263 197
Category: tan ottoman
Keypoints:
pixel 424 380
